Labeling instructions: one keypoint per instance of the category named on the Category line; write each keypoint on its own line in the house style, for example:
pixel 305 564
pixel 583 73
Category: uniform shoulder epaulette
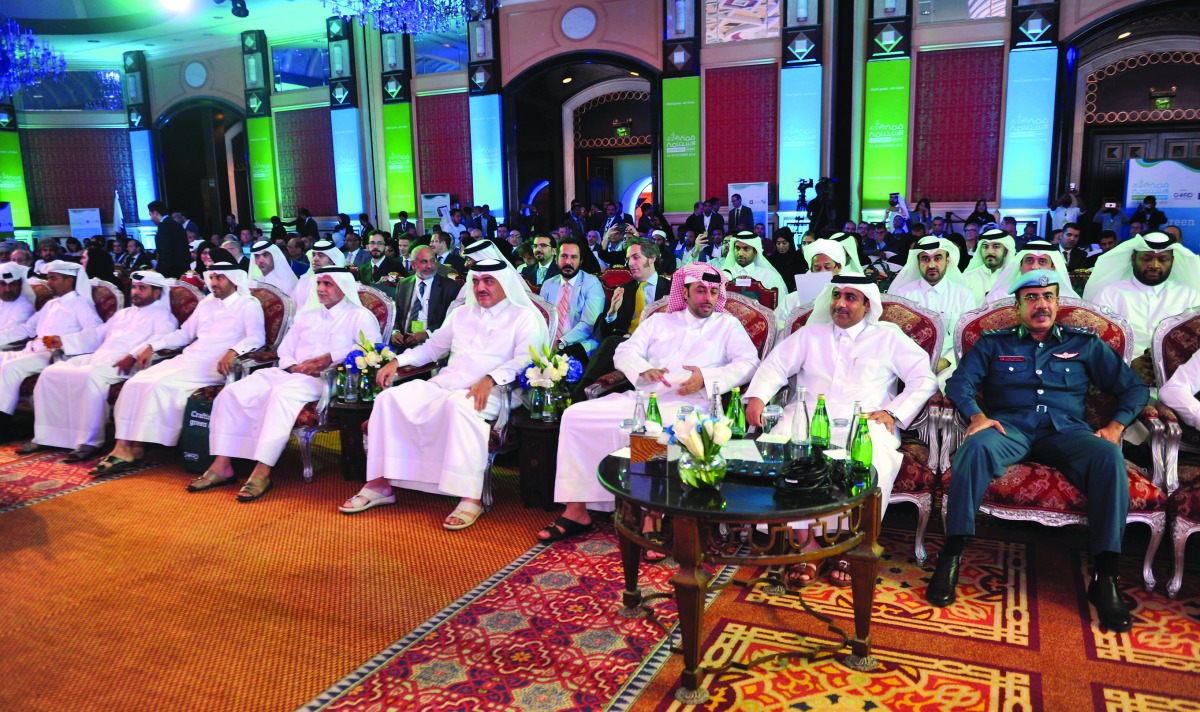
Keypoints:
pixel 1076 329
pixel 999 332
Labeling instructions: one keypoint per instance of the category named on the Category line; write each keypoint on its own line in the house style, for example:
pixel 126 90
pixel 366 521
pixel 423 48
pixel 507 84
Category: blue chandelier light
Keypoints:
pixel 414 17
pixel 25 61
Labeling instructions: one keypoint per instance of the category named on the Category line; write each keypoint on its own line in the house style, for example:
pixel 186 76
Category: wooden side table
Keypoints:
pixel 351 417
pixel 537 459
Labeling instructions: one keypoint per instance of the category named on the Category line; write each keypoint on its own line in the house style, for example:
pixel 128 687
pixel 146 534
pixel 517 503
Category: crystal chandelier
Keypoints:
pixel 415 17
pixel 25 61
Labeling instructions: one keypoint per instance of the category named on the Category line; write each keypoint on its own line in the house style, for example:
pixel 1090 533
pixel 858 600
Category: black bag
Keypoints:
pixel 193 440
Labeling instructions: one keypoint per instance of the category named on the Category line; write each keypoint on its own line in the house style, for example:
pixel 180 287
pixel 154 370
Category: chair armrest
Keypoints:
pixel 327 379
pixel 405 373
pixel 1172 431
pixel 14 345
pixel 163 355
pixel 57 355
pixel 1149 417
pixel 608 383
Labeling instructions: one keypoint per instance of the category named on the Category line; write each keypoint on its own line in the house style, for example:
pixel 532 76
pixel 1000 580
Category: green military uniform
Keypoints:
pixel 1036 390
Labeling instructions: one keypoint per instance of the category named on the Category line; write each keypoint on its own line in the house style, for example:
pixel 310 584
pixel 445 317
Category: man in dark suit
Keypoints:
pixel 440 242
pixel 486 221
pixel 695 221
pixel 170 242
pixel 612 219
pixel 305 225
pixel 403 225
pixel 1073 254
pixel 740 217
pixel 356 254
pixel 544 266
pixel 576 221
pixel 421 300
pixel 380 265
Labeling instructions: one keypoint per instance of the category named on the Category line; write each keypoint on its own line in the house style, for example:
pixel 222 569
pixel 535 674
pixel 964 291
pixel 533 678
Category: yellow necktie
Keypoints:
pixel 639 304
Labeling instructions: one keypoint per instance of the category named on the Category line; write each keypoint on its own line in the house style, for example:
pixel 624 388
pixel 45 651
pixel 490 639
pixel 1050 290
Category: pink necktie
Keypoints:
pixel 564 310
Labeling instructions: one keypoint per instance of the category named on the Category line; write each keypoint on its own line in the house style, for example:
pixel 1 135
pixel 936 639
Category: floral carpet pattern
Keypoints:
pixel 34 478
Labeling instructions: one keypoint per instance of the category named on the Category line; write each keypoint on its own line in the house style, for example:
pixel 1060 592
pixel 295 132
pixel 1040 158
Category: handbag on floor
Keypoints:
pixel 193 439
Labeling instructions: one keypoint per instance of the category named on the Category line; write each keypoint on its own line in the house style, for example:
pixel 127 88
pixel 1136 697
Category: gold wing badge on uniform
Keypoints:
pixel 1066 354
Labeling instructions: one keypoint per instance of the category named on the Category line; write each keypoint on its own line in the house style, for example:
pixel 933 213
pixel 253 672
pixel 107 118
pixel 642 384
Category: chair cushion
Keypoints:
pixel 208 393
pixel 757 327
pixel 308 417
pixel 1186 501
pixel 915 475
pixel 919 327
pixel 1030 485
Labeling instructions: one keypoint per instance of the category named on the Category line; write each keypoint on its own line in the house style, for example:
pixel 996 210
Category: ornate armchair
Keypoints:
pixel 754 289
pixel 917 479
pixel 758 320
pixel 1177 448
pixel 1030 491
pixel 612 278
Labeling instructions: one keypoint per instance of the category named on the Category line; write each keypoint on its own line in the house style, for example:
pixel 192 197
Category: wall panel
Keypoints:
pixel 304 148
pixel 77 168
pixel 444 144
pixel 741 136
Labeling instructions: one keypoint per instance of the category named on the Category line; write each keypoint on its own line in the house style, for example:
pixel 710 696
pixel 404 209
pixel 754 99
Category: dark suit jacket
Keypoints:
pixel 171 246
pixel 620 325
pixel 529 272
pixel 1077 259
pixel 369 273
pixel 602 220
pixel 578 227
pixel 487 223
pixel 442 292
pixel 455 262
pixel 743 220
pixel 401 227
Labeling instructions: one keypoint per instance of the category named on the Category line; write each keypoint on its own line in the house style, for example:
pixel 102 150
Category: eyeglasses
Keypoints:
pixel 1036 298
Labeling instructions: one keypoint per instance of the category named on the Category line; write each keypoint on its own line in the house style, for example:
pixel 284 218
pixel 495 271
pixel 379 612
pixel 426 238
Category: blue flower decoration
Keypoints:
pixel 522 381
pixel 349 363
pixel 574 370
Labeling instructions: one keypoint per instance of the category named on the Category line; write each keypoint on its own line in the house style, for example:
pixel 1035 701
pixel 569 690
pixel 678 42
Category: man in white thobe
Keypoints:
pixel 16 295
pixel 225 325
pixel 1179 392
pixel 253 418
pixel 70 400
pixel 71 311
pixel 848 354
pixel 478 251
pixel 821 256
pixel 746 259
pixel 931 279
pixel 432 436
pixel 1146 279
pixel 269 265
pixel 995 251
pixel 323 254
pixel 1035 254
pixel 683 354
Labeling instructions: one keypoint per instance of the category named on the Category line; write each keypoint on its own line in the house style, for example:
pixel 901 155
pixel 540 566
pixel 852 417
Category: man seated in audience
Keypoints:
pixel 16 295
pixel 1030 416
pixel 931 279
pixel 70 399
pixel 380 265
pixel 1035 255
pixel 1074 255
pixel 253 418
pixel 578 299
pixel 324 253
pixel 22 256
pixel 432 435
pixel 446 256
pixel 355 254
pixel 452 225
pixel 270 266
pixel 1108 240
pixel 297 260
pixel 48 250
pixel 1146 279
pixel 848 353
pixel 693 347
pixel 996 250
pixel 821 256
pixel 747 260
pixel 786 260
pixel 422 300
pixel 1148 215
pixel 134 256
pixel 225 325
pixel 1179 392
pixel 544 266
pixel 6 248
pixel 69 312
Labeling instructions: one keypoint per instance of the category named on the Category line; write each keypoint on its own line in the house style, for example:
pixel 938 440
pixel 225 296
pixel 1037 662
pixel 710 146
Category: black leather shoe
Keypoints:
pixel 1106 597
pixel 945 581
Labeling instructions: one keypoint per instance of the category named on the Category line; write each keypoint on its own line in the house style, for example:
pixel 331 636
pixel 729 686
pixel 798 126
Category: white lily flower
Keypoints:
pixel 721 433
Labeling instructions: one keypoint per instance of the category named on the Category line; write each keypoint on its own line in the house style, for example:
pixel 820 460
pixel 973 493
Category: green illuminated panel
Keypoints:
pixel 12 178
pixel 681 144
pixel 398 156
pixel 885 131
pixel 260 132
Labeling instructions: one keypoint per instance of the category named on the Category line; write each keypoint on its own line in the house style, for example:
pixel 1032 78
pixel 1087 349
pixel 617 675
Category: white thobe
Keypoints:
pixel 717 345
pixel 862 363
pixel 1145 307
pixel 980 281
pixel 948 299
pixel 766 275
pixel 65 315
pixel 1179 392
pixel 150 407
pixel 304 287
pixel 14 313
pixel 253 418
pixel 427 435
pixel 70 400
pixel 281 277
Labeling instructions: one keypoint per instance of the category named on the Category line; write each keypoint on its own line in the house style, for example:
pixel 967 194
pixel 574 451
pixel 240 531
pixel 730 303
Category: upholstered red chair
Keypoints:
pixel 917 480
pixel 1177 448
pixel 754 289
pixel 41 293
pixel 759 322
pixel 1033 492
pixel 612 278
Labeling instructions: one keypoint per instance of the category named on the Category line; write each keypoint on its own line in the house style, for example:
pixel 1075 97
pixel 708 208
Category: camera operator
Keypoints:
pixel 821 214
pixel 1110 217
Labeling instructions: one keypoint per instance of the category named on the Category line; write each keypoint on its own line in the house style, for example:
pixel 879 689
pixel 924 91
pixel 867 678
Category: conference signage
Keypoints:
pixel 260 134
pixel 12 178
pixel 1175 186
pixel 398 158
pixel 1028 122
pixel 347 160
pixel 799 128
pixel 487 165
pixel 681 145
pixel 141 155
pixel 885 131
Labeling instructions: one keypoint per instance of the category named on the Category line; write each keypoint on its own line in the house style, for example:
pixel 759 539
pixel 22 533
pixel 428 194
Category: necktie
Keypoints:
pixel 421 302
pixel 564 310
pixel 639 304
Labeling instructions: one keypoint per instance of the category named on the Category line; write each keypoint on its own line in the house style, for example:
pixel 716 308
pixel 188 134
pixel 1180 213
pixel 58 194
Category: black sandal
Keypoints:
pixel 563 528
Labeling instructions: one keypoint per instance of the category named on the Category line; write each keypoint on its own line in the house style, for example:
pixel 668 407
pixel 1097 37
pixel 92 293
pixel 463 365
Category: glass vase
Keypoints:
pixel 699 473
pixel 552 405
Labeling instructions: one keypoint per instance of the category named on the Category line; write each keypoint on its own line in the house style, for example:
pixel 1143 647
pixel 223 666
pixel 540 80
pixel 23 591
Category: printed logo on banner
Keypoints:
pixel 881 134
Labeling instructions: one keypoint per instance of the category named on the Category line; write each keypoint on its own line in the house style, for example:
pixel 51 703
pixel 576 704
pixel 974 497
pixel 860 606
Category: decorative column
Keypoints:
pixel 1029 109
pixel 486 114
pixel 887 104
pixel 397 127
pixel 260 129
pixel 141 145
pixel 343 117
pixel 800 103
pixel 681 171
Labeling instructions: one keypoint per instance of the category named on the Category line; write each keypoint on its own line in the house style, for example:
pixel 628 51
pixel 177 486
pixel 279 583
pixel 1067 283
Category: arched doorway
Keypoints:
pixel 201 148
pixel 582 126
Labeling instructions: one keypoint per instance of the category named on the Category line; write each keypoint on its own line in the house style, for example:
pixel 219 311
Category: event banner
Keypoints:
pixel 487 156
pixel 1175 186
pixel 1028 122
pixel 260 134
pixel 347 160
pixel 141 154
pixel 885 131
pixel 681 145
pixel 398 159
pixel 799 130
pixel 12 178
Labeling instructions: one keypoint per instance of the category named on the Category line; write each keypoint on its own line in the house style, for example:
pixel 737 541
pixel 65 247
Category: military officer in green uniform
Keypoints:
pixel 1034 377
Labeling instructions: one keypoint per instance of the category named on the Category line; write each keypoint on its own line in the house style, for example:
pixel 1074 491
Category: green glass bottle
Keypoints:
pixel 820 424
pixel 652 414
pixel 860 451
pixel 735 413
pixel 339 384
